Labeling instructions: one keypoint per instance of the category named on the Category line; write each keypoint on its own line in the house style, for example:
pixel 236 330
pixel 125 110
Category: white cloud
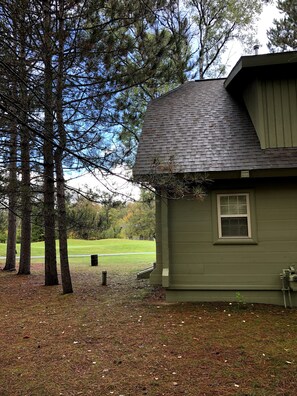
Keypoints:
pixel 269 13
pixel 118 184
pixel 236 50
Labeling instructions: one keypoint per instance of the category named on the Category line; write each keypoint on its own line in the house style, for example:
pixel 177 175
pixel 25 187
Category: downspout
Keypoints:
pixel 165 242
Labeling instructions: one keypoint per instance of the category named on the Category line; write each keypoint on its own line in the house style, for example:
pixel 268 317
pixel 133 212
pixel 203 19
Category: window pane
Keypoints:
pixel 242 209
pixel 234 227
pixel 241 199
pixel 233 204
pixel 233 199
pixel 233 209
pixel 224 200
pixel 225 210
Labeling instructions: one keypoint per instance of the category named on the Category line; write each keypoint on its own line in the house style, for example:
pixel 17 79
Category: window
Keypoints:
pixel 234 216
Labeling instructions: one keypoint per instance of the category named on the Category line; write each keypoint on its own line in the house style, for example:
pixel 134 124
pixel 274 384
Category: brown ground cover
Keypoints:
pixel 125 340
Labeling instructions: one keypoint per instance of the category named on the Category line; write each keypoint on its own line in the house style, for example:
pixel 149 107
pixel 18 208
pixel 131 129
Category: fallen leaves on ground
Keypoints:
pixel 124 339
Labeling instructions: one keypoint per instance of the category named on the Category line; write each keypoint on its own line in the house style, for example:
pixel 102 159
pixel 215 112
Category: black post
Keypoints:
pixel 94 260
pixel 104 278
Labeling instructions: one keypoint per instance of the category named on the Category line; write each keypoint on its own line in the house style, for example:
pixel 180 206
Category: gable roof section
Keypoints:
pixel 202 128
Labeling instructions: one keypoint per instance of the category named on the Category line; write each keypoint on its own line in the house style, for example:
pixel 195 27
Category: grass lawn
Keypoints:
pixel 103 246
pixel 124 339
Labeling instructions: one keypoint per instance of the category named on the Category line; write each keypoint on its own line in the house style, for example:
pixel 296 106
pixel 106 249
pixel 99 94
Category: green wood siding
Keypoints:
pixel 197 263
pixel 156 275
pixel 161 274
pixel 165 242
pixel 272 105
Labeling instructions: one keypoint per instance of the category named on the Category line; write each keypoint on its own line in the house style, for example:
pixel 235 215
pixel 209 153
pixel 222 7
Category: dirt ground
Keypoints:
pixel 123 339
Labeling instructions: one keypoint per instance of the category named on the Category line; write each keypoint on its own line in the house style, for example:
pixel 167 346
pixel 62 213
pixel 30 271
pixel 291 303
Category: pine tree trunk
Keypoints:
pixel 10 263
pixel 62 226
pixel 51 275
pixel 25 254
pixel 62 220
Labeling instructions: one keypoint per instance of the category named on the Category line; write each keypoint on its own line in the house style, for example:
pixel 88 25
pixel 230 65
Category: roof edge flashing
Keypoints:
pixel 248 65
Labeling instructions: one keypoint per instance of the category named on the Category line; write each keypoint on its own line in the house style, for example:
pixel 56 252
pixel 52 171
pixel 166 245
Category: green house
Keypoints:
pixel 240 133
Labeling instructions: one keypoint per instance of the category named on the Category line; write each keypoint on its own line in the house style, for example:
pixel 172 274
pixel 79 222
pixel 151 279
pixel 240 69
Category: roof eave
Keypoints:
pixel 249 67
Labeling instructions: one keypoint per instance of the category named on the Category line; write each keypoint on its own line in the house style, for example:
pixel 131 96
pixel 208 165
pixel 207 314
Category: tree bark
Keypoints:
pixel 51 275
pixel 26 207
pixel 25 254
pixel 10 264
pixel 62 227
pixel 62 218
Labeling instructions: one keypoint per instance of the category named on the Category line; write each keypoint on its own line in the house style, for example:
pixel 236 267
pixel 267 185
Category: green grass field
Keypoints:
pixel 103 246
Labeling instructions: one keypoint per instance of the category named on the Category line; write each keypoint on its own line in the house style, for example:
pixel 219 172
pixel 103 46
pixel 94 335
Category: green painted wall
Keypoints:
pixel 156 275
pixel 272 105
pixel 161 274
pixel 196 262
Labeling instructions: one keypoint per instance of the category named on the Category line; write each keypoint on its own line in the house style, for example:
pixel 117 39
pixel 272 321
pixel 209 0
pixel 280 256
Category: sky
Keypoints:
pixel 265 21
pixel 111 184
pixel 270 12
pixel 234 53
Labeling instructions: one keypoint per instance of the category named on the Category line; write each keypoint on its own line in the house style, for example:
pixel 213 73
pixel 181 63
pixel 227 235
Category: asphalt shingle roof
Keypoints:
pixel 203 129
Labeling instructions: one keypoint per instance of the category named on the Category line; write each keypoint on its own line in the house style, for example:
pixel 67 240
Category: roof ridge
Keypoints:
pixel 182 86
pixel 210 79
pixel 171 91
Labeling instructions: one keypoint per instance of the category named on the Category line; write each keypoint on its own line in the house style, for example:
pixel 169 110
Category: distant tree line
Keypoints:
pixel 112 218
pixel 90 219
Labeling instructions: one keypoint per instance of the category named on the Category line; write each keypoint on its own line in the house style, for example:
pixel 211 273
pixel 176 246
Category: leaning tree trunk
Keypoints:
pixel 62 221
pixel 51 275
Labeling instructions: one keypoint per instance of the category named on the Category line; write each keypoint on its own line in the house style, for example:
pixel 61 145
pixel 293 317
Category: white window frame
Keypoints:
pixel 246 215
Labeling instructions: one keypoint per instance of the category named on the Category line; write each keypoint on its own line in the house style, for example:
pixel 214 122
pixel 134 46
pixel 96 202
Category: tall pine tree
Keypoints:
pixel 283 35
